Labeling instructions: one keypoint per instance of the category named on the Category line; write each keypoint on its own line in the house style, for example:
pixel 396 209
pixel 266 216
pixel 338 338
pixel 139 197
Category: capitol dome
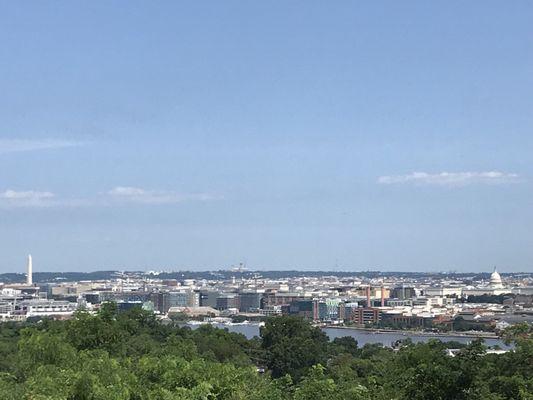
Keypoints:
pixel 496 280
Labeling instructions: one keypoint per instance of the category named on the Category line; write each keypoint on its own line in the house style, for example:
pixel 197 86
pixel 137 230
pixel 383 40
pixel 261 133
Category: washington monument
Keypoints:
pixel 29 278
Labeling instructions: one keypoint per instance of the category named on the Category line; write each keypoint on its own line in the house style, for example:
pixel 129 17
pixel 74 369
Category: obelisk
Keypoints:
pixel 29 277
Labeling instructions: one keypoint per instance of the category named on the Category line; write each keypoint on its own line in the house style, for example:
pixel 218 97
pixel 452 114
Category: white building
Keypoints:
pixel 33 308
pixel 495 287
pixel 443 291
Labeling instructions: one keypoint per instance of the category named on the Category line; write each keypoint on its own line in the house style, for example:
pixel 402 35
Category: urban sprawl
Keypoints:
pixel 429 302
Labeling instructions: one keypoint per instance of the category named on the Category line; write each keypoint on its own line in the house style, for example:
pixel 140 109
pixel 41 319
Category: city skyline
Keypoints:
pixel 349 136
pixel 243 268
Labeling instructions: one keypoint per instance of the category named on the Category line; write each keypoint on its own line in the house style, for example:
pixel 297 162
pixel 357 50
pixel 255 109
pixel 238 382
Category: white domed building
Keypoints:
pixel 494 287
pixel 496 280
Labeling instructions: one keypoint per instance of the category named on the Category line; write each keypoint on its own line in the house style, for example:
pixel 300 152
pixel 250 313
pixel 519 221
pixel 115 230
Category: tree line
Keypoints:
pixel 130 355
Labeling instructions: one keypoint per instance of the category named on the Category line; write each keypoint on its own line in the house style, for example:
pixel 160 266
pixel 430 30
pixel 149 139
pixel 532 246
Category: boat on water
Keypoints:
pixel 224 322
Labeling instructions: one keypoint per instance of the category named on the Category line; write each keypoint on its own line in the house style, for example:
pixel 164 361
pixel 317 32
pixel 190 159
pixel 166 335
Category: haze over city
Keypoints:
pixel 316 135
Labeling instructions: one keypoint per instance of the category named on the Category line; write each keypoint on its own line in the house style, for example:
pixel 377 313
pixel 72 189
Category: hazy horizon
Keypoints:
pixel 331 269
pixel 286 134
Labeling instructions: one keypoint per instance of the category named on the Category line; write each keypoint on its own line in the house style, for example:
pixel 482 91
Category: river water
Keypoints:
pixel 363 337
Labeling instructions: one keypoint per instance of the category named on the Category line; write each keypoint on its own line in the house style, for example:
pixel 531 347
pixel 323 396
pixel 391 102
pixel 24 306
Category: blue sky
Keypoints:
pixel 306 134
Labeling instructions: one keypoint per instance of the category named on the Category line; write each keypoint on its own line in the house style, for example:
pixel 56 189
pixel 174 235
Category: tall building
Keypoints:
pixel 364 316
pixel 315 310
pixel 403 292
pixel 208 298
pixel 249 301
pixel 29 277
pixel 227 300
pixel 163 301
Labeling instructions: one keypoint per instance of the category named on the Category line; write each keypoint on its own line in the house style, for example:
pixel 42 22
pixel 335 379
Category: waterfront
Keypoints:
pixel 365 336
pixel 387 338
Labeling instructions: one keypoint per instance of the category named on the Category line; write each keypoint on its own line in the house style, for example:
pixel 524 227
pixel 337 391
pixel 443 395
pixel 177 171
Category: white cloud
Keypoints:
pixel 35 199
pixel 29 198
pixel 138 195
pixel 28 195
pixel 451 178
pixel 21 145
pixel 117 196
pixel 127 191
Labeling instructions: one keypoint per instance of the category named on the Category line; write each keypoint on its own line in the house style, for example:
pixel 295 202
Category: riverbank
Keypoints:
pixel 408 332
pixel 366 336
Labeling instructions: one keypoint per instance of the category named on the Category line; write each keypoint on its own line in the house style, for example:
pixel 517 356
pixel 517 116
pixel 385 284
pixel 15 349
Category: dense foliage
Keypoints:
pixel 131 356
pixel 487 298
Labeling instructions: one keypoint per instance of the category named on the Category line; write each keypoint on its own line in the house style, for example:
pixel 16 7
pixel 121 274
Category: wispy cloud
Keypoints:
pixel 137 195
pixel 29 198
pixel 21 145
pixel 451 178
pixel 118 196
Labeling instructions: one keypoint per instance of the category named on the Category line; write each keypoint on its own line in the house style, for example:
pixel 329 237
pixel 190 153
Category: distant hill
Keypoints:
pixel 227 274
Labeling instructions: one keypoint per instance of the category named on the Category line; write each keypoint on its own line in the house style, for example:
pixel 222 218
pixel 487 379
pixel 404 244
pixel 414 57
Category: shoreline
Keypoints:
pixel 407 333
pixel 481 335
